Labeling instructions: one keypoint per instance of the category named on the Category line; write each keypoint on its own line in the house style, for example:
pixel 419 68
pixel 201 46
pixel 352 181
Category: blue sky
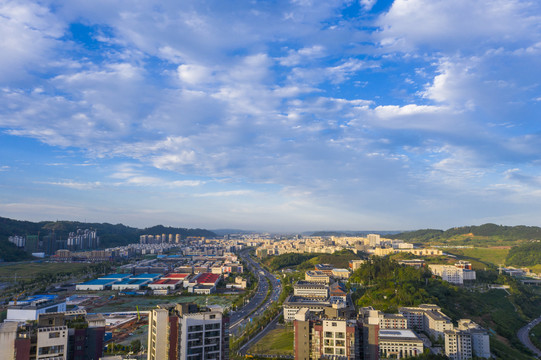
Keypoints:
pixel 271 115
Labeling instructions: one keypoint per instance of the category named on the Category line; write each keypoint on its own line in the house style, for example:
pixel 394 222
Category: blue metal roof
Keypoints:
pixel 115 276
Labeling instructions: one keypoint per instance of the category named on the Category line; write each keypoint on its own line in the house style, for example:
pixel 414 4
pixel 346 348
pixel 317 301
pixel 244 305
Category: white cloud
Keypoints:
pixel 296 57
pixel 193 74
pixel 226 193
pixel 245 93
pixel 368 4
pixel 29 34
pixel 74 184
pixel 459 25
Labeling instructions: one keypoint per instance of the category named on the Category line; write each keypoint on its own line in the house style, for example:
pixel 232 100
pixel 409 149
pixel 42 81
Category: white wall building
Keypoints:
pixel 399 343
pixel 311 290
pixel 52 343
pixel 458 344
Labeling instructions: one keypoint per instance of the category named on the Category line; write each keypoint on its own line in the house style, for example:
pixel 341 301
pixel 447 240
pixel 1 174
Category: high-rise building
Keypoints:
pixel 458 344
pixel 373 239
pixel 188 332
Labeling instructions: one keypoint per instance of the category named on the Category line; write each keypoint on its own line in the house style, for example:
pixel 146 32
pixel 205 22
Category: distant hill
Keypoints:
pixel 486 234
pixel 222 232
pixel 110 235
pixel 362 233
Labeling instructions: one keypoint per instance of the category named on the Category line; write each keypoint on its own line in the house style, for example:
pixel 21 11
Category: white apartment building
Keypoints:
pixel 480 339
pixel 201 336
pixel 452 274
pixel 427 318
pixel 373 239
pixel 458 344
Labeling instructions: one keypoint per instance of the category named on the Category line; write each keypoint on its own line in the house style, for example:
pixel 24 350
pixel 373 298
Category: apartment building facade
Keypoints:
pixel 188 332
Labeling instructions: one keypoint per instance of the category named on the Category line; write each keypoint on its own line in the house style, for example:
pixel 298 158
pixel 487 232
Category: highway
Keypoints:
pixel 524 336
pixel 240 318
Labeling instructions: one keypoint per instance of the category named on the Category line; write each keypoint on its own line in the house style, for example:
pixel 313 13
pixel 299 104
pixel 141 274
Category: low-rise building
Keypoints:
pixel 452 273
pixel 355 264
pixel 294 303
pixel 130 284
pixel 30 308
pixel 317 276
pixel 311 289
pixel 394 343
pixel 340 274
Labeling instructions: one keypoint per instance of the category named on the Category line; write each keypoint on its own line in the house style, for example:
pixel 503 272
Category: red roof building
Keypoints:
pixel 177 276
pixel 208 279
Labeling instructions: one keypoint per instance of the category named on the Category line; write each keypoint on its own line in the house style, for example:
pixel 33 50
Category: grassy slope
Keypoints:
pixel 276 342
pixel 494 256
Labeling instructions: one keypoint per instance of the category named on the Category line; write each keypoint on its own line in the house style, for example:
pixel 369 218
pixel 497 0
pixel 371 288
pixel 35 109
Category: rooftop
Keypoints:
pixel 398 334
pixel 175 276
pixel 100 282
pixel 132 282
pixel 115 276
pixel 146 276
pixel 208 278
pixel 166 281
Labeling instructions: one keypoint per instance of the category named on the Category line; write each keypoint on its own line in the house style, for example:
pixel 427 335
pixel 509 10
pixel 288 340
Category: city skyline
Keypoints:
pixel 284 116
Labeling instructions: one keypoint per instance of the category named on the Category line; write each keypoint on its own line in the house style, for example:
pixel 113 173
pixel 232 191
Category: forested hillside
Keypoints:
pixel 525 255
pixel 487 234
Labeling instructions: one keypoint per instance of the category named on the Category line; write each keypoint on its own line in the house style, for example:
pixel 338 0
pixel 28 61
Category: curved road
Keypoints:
pixel 240 318
pixel 524 336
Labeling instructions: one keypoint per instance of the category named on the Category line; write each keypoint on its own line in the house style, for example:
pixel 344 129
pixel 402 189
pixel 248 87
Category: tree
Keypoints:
pixel 135 346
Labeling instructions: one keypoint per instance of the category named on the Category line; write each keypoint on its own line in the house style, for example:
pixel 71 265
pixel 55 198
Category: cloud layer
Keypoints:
pixel 283 116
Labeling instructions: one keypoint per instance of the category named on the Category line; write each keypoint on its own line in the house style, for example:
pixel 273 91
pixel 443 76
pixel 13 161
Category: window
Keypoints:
pixel 328 334
pixel 55 334
pixel 195 328
pixel 329 342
